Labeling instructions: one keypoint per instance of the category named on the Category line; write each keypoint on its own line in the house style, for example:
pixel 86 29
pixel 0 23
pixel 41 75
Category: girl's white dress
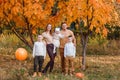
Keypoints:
pixel 56 40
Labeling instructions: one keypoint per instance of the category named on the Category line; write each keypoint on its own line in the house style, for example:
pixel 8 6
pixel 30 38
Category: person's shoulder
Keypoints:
pixel 44 34
pixel 69 31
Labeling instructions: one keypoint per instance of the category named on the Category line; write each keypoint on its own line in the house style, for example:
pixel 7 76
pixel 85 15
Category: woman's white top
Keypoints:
pixel 69 49
pixel 39 49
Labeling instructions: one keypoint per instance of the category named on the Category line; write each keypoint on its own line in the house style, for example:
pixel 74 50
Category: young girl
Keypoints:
pixel 39 53
pixel 56 39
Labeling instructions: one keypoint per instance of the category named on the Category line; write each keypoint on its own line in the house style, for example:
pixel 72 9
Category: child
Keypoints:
pixel 56 39
pixel 69 54
pixel 39 54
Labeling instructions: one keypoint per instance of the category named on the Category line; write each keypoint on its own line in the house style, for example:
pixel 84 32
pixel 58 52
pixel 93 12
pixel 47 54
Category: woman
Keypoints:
pixel 49 40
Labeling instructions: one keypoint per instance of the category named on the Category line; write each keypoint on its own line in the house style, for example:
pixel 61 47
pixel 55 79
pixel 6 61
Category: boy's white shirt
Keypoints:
pixel 69 49
pixel 39 49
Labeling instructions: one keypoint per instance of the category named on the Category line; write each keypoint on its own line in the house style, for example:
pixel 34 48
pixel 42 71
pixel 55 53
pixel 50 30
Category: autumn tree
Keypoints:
pixel 25 16
pixel 90 16
pixel 114 31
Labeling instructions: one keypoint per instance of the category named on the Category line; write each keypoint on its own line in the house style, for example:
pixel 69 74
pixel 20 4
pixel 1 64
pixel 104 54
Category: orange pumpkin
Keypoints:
pixel 79 75
pixel 21 54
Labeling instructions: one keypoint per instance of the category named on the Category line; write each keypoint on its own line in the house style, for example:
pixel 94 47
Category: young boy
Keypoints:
pixel 69 54
pixel 39 54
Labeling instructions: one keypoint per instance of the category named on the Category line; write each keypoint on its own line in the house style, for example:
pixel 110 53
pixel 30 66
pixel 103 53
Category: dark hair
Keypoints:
pixel 50 30
pixel 63 23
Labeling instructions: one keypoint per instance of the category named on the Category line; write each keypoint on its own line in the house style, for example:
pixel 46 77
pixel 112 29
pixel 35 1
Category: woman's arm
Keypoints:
pixel 44 49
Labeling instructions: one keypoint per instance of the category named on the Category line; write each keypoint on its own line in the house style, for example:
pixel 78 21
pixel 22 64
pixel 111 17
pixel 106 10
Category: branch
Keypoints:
pixel 28 26
pixel 21 37
pixel 30 33
pixel 92 16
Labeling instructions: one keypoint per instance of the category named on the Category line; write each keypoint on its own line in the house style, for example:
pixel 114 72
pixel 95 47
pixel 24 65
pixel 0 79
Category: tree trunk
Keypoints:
pixel 30 34
pixel 84 39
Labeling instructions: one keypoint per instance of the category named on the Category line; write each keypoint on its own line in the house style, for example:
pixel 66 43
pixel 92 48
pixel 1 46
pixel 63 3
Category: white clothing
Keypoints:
pixel 39 49
pixel 56 40
pixel 69 49
pixel 57 29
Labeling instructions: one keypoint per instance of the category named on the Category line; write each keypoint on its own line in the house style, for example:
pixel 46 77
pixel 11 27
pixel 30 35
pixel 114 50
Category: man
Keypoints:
pixel 63 41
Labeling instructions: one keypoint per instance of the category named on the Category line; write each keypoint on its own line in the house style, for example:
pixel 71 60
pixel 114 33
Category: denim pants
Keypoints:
pixel 38 60
pixel 52 55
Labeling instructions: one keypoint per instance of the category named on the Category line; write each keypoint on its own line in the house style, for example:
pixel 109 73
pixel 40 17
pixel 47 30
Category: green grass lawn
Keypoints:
pixel 98 68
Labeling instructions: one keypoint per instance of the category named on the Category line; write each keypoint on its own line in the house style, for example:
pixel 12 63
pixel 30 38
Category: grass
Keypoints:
pixel 9 43
pixel 98 68
pixel 102 61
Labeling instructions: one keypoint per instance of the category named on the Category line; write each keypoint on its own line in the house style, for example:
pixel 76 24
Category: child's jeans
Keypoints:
pixel 38 60
pixel 69 64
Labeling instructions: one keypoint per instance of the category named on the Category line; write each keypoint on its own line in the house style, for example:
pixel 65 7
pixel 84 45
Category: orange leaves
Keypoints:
pixel 91 27
pixel 19 21
pixel 12 2
pixel 1 1
pixel 94 13
pixel 69 10
pixel 20 10
pixel 14 10
pixel 48 6
pixel 38 11
pixel 118 1
pixel 33 9
pixel 1 13
pixel 97 30
pixel 105 31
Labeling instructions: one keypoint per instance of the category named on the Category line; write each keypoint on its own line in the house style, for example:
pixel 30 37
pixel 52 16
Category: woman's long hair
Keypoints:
pixel 50 30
